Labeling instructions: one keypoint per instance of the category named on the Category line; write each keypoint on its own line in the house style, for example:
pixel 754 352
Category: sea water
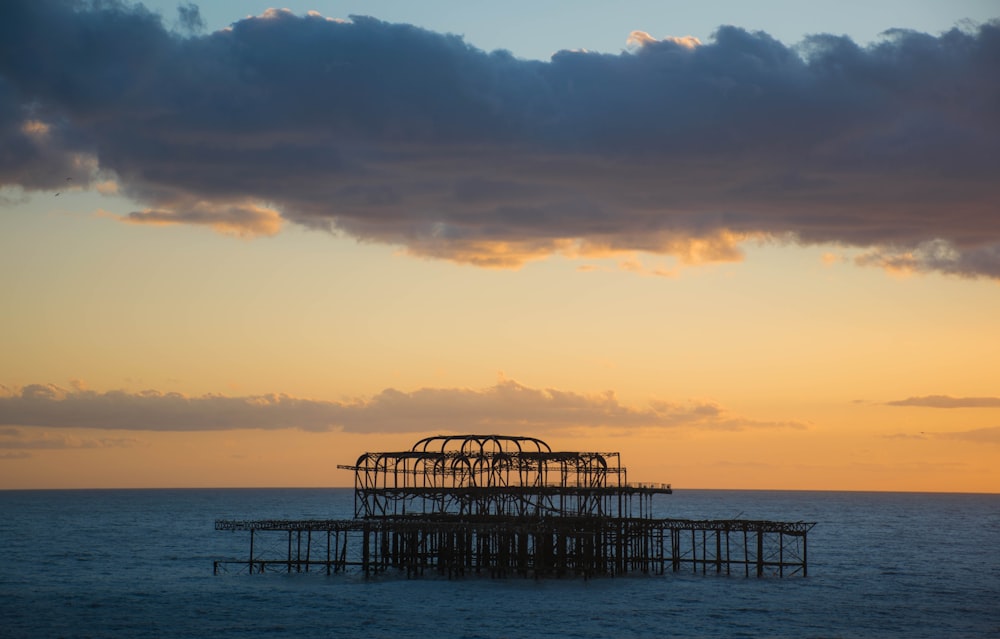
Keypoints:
pixel 138 563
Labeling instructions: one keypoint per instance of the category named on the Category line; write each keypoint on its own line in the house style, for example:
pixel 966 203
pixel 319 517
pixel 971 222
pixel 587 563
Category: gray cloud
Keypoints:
pixel 189 17
pixel 394 134
pixel 944 401
pixel 504 407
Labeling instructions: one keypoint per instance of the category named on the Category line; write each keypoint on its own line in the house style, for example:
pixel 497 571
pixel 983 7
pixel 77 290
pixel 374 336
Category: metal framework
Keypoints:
pixel 487 476
pixel 500 505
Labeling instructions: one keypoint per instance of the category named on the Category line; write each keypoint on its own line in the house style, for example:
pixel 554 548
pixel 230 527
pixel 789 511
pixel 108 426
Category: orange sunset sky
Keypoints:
pixel 745 249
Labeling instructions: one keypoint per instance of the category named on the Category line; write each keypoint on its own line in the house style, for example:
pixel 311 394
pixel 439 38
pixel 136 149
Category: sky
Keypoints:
pixel 745 245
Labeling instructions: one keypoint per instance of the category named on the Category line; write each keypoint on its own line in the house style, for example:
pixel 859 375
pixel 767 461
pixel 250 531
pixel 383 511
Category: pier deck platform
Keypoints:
pixel 553 547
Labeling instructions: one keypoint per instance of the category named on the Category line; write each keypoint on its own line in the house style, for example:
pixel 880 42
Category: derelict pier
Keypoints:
pixel 504 506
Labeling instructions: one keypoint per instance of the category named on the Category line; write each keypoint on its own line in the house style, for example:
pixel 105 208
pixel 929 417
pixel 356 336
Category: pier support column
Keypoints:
pixel 760 553
pixel 251 552
pixel 805 557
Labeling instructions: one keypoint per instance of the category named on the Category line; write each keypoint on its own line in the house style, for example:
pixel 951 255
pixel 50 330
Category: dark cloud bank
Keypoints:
pixel 505 407
pixel 389 133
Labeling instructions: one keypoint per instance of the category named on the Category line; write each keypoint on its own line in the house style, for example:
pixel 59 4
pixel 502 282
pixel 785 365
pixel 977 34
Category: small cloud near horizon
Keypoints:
pixel 977 435
pixel 945 401
pixel 989 435
pixel 13 439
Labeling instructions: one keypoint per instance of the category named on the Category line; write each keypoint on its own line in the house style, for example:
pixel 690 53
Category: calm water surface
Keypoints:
pixel 138 563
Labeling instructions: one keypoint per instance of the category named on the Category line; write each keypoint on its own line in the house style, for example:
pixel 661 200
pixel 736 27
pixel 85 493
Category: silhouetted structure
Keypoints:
pixel 499 505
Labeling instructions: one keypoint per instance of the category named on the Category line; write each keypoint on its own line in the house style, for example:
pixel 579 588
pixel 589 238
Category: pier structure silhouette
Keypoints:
pixel 505 506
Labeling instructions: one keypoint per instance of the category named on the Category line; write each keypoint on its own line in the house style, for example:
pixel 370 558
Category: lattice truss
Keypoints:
pixel 491 476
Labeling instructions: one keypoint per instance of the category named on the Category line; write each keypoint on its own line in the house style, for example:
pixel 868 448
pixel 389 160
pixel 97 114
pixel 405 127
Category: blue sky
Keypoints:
pixel 538 29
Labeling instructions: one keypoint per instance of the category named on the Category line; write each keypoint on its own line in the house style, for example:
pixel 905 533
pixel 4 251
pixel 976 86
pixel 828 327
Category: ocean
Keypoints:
pixel 138 563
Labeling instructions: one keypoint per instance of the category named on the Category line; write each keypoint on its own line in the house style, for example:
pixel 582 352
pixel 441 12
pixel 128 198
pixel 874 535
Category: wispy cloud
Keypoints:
pixel 907 436
pixel 945 401
pixel 505 407
pixel 243 219
pixel 977 435
pixel 12 439
pixel 394 134
pixel 989 435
